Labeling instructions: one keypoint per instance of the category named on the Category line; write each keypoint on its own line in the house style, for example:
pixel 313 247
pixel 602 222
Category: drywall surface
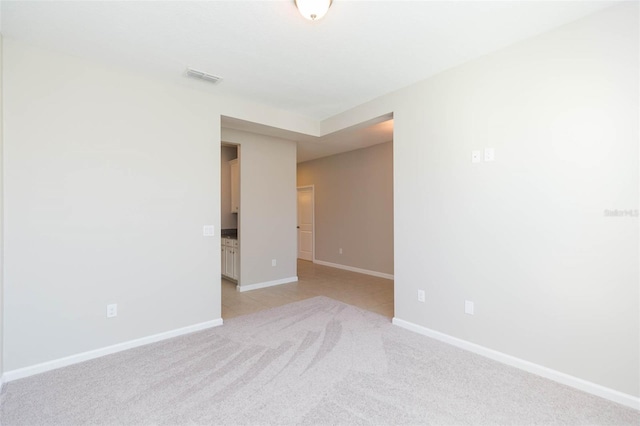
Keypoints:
pixel 1 224
pixel 228 220
pixel 109 179
pixel 353 207
pixel 527 237
pixel 267 218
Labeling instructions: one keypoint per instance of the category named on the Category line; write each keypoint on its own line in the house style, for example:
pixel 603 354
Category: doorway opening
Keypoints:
pixel 344 218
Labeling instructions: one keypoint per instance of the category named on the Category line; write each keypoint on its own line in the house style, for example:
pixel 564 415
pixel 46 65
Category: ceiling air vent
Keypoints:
pixel 200 75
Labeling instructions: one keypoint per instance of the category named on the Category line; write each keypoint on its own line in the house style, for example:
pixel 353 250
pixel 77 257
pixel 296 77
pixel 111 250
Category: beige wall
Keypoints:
pixel 228 220
pixel 555 282
pixel 1 223
pixel 267 218
pixel 105 200
pixel 353 207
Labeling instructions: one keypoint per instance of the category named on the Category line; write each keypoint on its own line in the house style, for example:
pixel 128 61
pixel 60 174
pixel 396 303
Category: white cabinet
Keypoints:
pixel 230 262
pixel 235 185
pixel 230 258
pixel 224 258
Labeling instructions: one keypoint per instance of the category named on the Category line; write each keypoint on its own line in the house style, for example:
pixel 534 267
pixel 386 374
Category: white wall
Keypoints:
pixel 267 218
pixel 554 280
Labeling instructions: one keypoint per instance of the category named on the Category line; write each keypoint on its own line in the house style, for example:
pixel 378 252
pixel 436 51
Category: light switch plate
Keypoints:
pixel 112 310
pixel 208 230
pixel 476 156
pixel 468 307
pixel 489 154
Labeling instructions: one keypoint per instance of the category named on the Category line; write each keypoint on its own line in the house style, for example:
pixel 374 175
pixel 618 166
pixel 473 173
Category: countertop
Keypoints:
pixel 229 233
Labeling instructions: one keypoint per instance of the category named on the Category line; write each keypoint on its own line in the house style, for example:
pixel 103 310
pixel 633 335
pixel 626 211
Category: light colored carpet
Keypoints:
pixel 318 361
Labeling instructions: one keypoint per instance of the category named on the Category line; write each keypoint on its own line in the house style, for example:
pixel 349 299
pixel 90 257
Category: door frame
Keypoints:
pixel 313 220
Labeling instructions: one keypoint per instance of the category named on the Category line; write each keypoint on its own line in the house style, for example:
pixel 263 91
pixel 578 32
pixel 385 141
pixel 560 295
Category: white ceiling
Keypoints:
pixel 372 132
pixel 269 54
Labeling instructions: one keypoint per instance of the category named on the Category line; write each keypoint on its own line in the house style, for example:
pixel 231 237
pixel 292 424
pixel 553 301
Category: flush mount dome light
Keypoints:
pixel 313 9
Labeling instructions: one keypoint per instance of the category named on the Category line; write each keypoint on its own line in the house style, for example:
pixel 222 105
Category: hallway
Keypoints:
pixel 364 291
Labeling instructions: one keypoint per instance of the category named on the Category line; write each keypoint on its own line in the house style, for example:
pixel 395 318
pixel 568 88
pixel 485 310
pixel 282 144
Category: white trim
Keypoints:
pixel 354 269
pixel 266 284
pixel 1 382
pixel 557 376
pixel 97 353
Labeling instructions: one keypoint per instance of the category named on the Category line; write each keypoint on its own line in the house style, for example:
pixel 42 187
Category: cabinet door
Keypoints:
pixel 236 263
pixel 223 255
pixel 229 266
pixel 235 185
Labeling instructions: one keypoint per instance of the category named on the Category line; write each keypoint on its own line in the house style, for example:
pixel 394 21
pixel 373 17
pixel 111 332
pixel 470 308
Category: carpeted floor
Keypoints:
pixel 318 361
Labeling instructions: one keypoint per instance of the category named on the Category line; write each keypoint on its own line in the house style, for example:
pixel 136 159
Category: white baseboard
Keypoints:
pixel 97 353
pixel 266 284
pixel 354 269
pixel 557 376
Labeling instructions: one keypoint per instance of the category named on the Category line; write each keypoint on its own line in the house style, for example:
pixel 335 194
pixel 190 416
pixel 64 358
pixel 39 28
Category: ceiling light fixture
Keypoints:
pixel 313 9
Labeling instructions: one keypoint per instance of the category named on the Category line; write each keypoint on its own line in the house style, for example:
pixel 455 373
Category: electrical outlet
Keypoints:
pixel 421 296
pixel 468 307
pixel 340 250
pixel 273 262
pixel 112 310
